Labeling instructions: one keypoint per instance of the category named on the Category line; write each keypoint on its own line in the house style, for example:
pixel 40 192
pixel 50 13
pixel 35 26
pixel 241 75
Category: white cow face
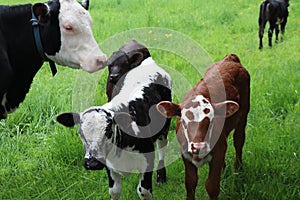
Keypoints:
pixel 95 132
pixel 79 48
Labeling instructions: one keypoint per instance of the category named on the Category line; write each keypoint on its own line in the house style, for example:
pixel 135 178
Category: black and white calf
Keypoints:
pixel 120 134
pixel 59 31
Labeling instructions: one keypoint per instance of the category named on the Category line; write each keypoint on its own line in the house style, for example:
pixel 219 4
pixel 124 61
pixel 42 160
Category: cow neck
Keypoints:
pixel 38 43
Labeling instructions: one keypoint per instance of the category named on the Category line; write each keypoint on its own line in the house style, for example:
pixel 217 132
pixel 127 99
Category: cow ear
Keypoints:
pixel 85 4
pixel 135 59
pixel 68 119
pixel 41 11
pixel 227 107
pixel 168 109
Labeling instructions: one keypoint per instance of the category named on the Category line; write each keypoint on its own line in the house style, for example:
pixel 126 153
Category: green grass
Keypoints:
pixel 40 159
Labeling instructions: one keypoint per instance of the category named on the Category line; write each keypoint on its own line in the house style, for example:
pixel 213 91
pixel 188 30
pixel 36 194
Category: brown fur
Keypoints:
pixel 230 76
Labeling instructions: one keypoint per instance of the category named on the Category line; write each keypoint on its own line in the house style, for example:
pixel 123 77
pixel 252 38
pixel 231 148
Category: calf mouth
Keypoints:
pixel 93 164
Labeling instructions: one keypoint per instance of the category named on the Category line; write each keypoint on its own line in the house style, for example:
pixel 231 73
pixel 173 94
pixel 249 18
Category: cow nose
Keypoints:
pixel 102 62
pixel 113 78
pixel 200 147
pixel 93 164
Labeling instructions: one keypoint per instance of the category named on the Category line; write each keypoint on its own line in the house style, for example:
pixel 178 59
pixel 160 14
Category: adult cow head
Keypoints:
pixel 196 123
pixel 66 34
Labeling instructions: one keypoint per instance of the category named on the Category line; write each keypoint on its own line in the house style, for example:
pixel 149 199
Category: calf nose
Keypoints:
pixel 102 62
pixel 93 164
pixel 200 148
pixel 114 78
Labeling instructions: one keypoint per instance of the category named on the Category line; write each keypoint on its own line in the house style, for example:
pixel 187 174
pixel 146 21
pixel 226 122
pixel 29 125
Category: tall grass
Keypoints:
pixel 39 159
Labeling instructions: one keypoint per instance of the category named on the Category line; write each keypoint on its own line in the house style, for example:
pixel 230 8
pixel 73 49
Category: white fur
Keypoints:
pixel 135 80
pixel 93 126
pixel 200 163
pixel 144 193
pixel 115 191
pixel 199 115
pixel 128 161
pixel 79 48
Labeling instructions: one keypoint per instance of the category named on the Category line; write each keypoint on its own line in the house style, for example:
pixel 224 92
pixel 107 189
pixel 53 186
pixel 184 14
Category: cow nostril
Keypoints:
pixel 102 62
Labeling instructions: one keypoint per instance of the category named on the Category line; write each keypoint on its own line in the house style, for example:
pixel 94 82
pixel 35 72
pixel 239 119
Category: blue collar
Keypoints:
pixel 38 43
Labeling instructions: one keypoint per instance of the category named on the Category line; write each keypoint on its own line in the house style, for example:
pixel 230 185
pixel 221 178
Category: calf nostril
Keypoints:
pixel 93 164
pixel 114 78
pixel 199 147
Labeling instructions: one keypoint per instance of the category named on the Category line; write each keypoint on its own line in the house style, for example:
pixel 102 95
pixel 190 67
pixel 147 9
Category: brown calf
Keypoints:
pixel 218 104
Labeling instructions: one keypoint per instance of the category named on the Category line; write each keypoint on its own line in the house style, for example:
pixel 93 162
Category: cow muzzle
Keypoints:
pixel 199 148
pixel 102 62
pixel 93 164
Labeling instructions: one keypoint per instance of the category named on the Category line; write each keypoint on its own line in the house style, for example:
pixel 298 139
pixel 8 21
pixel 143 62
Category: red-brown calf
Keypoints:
pixel 218 104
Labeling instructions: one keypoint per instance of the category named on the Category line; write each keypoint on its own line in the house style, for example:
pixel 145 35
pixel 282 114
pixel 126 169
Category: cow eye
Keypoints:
pixel 68 27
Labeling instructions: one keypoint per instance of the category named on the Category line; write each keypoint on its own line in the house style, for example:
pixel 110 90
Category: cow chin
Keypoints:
pixel 88 65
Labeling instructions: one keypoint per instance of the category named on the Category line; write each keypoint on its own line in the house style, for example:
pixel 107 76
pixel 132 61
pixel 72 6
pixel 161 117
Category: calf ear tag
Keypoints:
pixel 68 119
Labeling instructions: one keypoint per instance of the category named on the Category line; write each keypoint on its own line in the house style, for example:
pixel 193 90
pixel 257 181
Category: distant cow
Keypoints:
pixel 126 58
pixel 56 31
pixel 218 104
pixel 120 134
pixel 276 12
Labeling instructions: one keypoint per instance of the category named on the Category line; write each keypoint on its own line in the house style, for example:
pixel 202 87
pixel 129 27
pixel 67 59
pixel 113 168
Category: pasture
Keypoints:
pixel 40 159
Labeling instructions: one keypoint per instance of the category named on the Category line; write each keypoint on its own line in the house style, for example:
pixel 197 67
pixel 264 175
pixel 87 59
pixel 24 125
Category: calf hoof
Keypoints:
pixel 238 165
pixel 276 41
pixel 161 176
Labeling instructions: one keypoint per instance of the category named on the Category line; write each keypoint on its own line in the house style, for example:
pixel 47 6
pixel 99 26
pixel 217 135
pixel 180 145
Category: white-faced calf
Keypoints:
pixel 218 104
pixel 119 135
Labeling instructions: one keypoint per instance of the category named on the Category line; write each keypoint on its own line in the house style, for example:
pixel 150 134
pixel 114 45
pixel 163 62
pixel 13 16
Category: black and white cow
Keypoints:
pixel 56 31
pixel 120 134
pixel 276 13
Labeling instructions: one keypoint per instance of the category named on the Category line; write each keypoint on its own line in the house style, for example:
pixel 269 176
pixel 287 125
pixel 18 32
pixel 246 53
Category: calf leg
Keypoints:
pixel 212 183
pixel 115 184
pixel 161 143
pixel 239 140
pixel 191 179
pixel 144 188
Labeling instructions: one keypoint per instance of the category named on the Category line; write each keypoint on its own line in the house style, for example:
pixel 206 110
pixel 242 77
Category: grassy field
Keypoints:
pixel 40 159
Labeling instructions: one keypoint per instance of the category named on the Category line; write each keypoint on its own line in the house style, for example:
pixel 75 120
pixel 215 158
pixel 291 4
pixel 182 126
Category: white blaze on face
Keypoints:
pixel 79 48
pixel 92 131
pixel 197 112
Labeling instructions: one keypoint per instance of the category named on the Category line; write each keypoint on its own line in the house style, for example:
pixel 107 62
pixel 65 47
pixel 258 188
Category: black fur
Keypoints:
pixel 276 13
pixel 19 58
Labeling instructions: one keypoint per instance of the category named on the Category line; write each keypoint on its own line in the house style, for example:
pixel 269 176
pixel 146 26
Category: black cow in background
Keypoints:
pixel 276 12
